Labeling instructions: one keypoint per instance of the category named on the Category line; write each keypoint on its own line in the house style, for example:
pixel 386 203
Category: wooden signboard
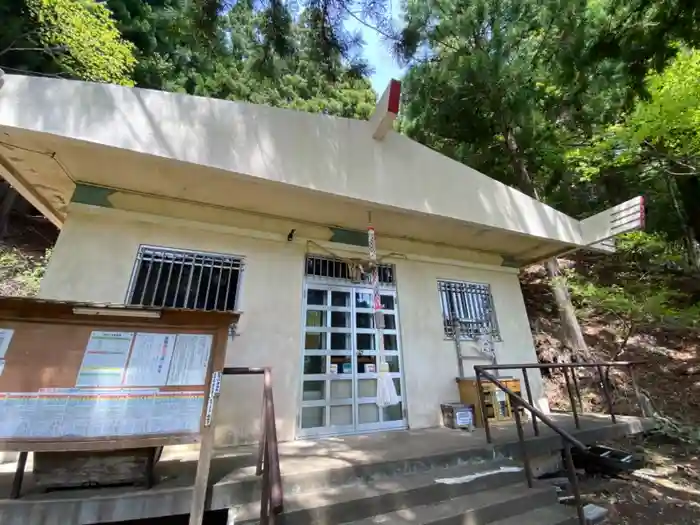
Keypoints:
pixel 97 377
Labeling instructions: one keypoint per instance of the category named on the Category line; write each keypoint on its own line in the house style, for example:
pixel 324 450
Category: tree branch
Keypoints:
pixel 672 158
pixel 23 35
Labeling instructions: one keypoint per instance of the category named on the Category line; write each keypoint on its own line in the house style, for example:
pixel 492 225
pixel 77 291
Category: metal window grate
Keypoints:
pixel 470 305
pixel 338 269
pixel 183 279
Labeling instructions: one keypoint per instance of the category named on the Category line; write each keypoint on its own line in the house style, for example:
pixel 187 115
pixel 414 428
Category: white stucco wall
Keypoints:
pixel 93 260
pixel 430 360
pixel 94 257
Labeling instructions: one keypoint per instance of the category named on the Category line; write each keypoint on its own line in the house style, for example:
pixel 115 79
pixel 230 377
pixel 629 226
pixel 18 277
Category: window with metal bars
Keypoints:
pixel 469 307
pixel 183 279
pixel 332 268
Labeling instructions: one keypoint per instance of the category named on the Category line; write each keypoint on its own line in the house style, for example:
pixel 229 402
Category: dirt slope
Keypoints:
pixel 671 378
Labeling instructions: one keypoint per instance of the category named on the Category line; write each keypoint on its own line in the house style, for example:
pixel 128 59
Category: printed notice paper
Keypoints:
pixel 105 359
pixel 150 360
pixel 92 414
pixel 190 360
pixel 5 339
pixel 121 389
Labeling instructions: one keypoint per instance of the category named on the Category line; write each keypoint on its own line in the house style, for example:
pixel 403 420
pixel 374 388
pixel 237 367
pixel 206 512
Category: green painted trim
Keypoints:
pixel 93 195
pixel 353 237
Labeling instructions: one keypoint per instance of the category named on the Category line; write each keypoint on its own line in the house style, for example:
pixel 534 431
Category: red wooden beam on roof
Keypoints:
pixel 387 109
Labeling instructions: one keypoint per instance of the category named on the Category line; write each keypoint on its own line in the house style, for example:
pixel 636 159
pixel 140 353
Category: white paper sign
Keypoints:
pixel 150 360
pixel 5 340
pixel 105 359
pixel 106 414
pixel 463 418
pixel 190 360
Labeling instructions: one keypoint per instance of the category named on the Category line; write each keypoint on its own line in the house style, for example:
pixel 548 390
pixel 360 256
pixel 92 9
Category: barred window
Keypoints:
pixel 470 305
pixel 184 279
pixel 338 269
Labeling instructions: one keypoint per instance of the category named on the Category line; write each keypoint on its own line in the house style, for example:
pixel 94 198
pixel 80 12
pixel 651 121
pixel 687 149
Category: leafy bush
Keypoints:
pixel 21 275
pixel 650 248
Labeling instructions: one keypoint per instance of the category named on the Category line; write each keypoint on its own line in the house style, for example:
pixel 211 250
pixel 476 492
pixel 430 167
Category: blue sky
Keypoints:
pixel 377 52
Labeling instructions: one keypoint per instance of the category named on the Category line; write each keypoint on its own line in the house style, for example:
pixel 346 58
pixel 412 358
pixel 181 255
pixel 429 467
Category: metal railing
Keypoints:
pixel 517 402
pixel 268 462
pixel 572 384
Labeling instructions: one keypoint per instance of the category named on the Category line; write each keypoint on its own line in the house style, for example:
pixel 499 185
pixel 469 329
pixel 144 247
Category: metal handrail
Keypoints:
pixel 536 412
pixel 560 365
pixel 268 462
pixel 572 385
pixel 568 440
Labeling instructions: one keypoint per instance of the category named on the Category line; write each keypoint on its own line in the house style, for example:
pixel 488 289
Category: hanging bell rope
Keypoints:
pixel 386 389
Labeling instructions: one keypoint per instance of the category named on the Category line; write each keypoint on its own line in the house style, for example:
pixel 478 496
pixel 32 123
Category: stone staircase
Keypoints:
pixel 471 493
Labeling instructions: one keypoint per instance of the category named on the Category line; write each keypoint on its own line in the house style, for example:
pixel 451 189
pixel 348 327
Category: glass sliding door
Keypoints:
pixel 340 362
pixel 369 415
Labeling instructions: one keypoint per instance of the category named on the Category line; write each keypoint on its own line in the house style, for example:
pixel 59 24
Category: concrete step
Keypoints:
pixel 549 515
pixel 479 508
pixel 241 486
pixel 336 504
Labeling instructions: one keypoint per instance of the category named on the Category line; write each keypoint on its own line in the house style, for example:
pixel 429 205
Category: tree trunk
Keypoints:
pixel 570 327
pixel 571 333
pixel 689 191
pixel 691 245
pixel 8 202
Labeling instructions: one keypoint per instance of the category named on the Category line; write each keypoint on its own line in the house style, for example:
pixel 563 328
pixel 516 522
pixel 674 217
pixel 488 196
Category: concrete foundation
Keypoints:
pixel 306 466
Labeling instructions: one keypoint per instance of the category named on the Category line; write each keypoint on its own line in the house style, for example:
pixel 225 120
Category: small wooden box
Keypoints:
pixel 497 402
pixel 457 416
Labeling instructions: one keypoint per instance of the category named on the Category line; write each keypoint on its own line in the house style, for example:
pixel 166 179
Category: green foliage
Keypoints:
pixel 653 149
pixel 21 275
pixel 641 304
pixel 642 291
pixel 497 91
pixel 642 34
pixel 258 56
pixel 84 39
pixel 539 96
pixel 650 249
pixel 670 120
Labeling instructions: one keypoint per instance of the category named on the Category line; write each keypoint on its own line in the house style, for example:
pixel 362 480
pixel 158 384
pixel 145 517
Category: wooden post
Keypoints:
pixel 206 448
pixel 19 475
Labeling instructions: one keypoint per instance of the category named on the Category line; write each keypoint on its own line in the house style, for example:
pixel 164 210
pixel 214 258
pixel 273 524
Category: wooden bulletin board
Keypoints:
pixel 113 378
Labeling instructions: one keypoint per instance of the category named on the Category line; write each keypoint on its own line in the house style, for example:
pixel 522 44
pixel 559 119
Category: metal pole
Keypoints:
pixel 457 331
pixel 606 391
pixel 576 388
pixel 263 434
pixel 482 403
pixel 637 393
pixel 574 410
pixel 573 479
pixel 276 496
pixel 528 391
pixel 541 415
pixel 521 439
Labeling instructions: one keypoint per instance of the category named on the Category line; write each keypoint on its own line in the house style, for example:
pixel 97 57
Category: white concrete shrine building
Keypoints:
pixel 175 200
